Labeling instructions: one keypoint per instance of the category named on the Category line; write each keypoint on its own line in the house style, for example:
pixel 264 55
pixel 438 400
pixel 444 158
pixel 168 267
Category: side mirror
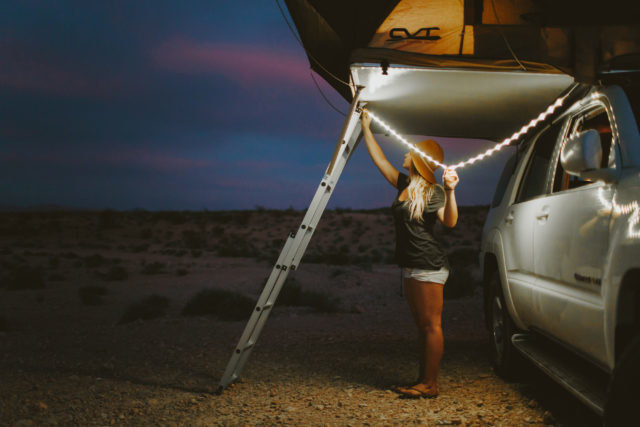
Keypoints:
pixel 582 156
pixel 581 153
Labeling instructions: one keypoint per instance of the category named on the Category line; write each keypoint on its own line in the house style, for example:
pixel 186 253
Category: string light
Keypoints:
pixel 543 115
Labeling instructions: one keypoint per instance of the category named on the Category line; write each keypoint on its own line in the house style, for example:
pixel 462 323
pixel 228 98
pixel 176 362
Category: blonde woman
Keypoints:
pixel 420 201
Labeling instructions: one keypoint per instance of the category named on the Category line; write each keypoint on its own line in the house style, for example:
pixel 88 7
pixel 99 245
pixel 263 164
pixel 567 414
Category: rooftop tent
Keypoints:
pixel 430 65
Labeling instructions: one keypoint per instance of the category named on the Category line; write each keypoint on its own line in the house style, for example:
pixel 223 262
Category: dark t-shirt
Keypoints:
pixel 416 246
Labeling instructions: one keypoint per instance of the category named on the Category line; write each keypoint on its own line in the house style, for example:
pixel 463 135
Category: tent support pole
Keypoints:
pixel 294 246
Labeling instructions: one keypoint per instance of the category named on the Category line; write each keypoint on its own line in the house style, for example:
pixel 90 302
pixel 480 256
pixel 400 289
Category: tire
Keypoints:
pixel 623 395
pixel 505 358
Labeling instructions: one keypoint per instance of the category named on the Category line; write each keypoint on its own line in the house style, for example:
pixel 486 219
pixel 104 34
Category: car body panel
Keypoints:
pixel 581 242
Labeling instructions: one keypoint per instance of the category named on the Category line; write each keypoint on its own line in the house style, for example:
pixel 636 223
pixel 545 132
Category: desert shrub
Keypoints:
pixel 23 277
pixel 69 255
pixel 194 239
pixel 115 273
pixel 225 305
pixel 172 217
pixel 346 221
pixel 95 260
pixel 182 272
pixel 107 219
pixel 376 256
pixel 331 257
pixel 292 294
pixel 236 245
pixel 217 231
pixel 155 267
pixel 54 262
pixel 242 218
pixel 337 272
pixel 151 307
pixel 92 295
pixel 146 233
pixel 140 247
pixel 459 284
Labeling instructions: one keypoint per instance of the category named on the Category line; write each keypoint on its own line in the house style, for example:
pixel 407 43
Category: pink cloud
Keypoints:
pixel 144 158
pixel 29 70
pixel 246 64
pixel 261 165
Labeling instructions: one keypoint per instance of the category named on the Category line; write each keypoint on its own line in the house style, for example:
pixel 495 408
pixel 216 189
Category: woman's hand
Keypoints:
pixel 365 118
pixel 450 179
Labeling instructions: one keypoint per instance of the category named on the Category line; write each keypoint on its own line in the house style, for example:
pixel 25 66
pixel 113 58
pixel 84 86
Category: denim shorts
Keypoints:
pixel 435 276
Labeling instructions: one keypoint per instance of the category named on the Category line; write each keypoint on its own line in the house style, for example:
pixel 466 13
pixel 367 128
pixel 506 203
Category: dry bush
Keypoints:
pixel 92 295
pixel 223 304
pixel 115 273
pixel 21 277
pixel 95 260
pixel 151 307
pixel 292 294
pixel 155 267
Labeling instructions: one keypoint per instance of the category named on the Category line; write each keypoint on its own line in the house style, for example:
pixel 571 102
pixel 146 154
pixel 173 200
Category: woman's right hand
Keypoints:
pixel 365 118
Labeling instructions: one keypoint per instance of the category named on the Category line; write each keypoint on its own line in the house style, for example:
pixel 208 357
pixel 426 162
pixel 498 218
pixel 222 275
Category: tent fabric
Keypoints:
pixel 331 29
pixel 576 36
pixel 441 22
pixel 490 64
pixel 392 56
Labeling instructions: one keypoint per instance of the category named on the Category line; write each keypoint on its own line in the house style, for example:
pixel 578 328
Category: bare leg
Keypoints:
pixel 425 300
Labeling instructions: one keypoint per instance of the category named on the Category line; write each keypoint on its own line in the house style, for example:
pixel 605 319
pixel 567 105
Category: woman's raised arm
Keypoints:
pixel 378 157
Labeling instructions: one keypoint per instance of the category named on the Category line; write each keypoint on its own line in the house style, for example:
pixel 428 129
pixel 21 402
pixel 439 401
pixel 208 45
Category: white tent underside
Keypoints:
pixel 456 102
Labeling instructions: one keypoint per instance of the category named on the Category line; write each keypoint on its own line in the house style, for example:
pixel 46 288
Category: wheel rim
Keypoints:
pixel 497 327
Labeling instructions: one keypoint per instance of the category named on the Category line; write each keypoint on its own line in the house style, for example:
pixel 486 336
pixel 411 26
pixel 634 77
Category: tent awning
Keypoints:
pixel 456 102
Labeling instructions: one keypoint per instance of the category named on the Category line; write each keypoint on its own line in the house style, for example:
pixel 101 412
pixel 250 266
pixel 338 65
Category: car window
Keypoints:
pixel 505 177
pixel 597 120
pixel 533 183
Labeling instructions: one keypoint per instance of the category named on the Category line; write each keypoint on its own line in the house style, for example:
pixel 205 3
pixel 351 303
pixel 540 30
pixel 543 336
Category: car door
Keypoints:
pixel 571 240
pixel 518 223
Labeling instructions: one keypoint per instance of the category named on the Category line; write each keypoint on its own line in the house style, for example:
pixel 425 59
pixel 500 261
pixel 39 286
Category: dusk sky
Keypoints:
pixel 178 105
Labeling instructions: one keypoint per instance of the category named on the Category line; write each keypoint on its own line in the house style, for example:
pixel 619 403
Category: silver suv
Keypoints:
pixel 560 251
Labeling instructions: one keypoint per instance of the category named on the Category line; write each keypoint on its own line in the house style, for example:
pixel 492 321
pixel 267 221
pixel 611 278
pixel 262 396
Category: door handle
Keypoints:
pixel 509 218
pixel 544 214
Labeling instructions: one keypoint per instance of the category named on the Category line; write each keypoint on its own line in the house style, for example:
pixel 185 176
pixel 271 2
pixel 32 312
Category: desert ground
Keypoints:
pixel 129 318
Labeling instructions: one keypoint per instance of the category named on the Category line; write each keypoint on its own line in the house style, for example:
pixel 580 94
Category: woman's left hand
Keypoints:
pixel 450 179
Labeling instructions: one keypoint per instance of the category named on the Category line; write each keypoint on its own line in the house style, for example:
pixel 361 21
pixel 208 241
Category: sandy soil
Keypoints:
pixel 66 362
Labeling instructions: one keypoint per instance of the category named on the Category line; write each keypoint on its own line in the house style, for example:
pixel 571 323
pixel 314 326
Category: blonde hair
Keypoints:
pixel 419 192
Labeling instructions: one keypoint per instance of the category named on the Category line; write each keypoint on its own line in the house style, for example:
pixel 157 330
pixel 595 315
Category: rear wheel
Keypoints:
pixel 623 395
pixel 505 357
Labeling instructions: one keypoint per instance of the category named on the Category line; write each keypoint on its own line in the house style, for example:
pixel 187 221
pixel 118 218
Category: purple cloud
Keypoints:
pixel 242 63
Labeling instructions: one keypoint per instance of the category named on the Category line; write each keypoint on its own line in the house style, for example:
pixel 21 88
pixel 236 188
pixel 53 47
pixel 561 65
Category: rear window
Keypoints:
pixel 503 182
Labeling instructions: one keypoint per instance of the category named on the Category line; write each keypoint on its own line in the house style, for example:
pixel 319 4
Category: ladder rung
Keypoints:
pixel 246 347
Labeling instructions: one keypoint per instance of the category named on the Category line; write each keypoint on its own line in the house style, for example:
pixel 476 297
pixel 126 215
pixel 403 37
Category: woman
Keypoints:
pixel 419 202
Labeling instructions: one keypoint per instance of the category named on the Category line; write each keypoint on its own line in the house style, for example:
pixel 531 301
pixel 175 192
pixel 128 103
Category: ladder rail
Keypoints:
pixel 294 247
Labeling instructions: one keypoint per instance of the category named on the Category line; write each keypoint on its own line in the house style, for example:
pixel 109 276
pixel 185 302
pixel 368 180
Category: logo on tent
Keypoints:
pixel 396 34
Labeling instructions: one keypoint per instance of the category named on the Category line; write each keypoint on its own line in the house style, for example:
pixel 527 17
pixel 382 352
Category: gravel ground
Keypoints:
pixel 67 362
pixel 308 368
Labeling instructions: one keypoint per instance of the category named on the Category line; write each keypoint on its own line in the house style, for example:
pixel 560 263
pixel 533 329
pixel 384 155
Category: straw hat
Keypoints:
pixel 422 166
